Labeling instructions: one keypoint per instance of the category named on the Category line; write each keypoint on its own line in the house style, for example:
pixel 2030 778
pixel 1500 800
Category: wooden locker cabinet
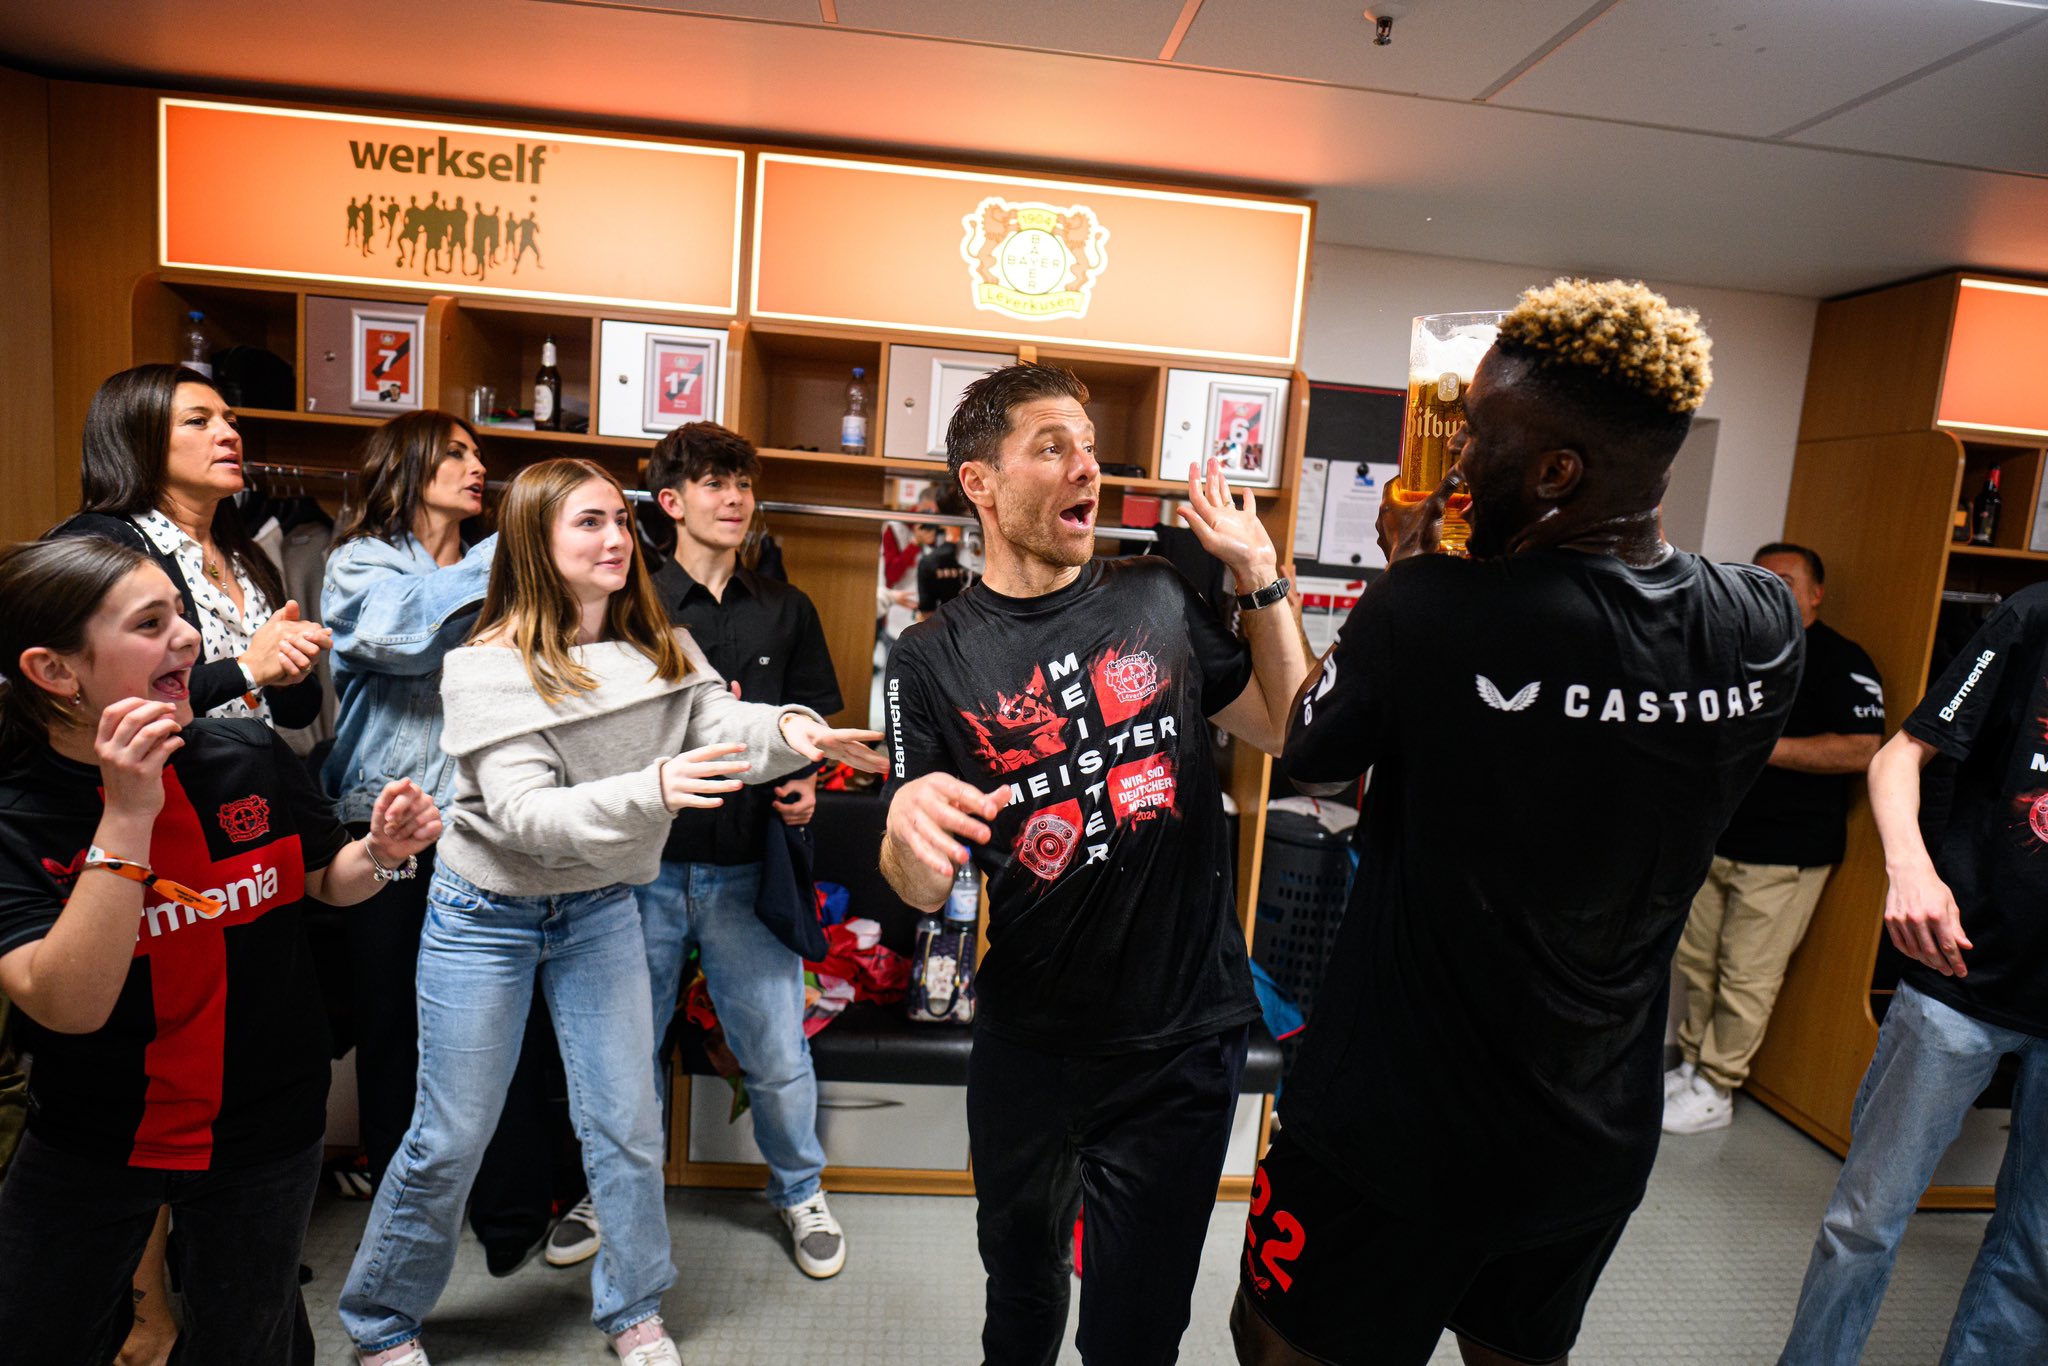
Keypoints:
pixel 1875 487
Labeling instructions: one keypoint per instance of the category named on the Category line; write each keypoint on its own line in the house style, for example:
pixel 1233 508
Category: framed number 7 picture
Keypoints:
pixel 386 366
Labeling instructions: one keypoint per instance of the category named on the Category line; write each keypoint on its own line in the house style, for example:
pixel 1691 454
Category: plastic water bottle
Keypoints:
pixel 193 342
pixel 853 427
pixel 942 974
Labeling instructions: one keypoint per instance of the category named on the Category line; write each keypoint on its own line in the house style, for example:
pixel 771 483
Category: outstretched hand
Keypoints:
pixel 816 740
pixel 929 816
pixel 699 777
pixel 1232 532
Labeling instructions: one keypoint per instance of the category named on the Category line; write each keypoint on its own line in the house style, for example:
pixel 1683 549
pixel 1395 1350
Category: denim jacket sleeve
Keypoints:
pixel 387 616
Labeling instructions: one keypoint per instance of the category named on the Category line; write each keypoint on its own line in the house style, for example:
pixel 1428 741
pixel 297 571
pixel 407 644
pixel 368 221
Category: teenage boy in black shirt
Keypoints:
pixel 763 637
pixel 1773 860
pixel 1971 916
pixel 1056 715
pixel 1558 729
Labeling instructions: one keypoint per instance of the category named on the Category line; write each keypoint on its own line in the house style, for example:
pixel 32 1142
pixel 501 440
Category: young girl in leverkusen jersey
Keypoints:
pixel 580 722
pixel 151 872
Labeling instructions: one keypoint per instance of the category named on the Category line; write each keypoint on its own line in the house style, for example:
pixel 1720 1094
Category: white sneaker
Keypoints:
pixel 659 1350
pixel 575 1238
pixel 1678 1078
pixel 820 1246
pixel 410 1354
pixel 1701 1106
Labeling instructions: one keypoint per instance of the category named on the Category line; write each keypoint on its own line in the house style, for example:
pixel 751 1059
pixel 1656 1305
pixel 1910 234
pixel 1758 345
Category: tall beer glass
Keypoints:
pixel 1443 351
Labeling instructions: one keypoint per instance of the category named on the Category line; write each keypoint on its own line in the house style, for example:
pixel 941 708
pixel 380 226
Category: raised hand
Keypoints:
pixel 698 776
pixel 815 740
pixel 1232 532
pixel 136 739
pixel 404 821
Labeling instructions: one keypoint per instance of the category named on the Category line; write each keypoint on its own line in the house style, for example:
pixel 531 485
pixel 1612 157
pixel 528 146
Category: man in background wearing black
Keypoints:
pixel 1773 860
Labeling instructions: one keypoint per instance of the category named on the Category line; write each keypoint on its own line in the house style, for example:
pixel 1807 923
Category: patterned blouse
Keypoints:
pixel 224 631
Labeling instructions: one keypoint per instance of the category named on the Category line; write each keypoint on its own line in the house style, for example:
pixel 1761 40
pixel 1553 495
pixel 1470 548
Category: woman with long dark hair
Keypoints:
pixel 402 588
pixel 580 722
pixel 162 463
pixel 152 870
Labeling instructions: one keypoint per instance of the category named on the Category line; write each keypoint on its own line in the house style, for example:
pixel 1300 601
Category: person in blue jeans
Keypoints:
pixel 764 638
pixel 565 717
pixel 401 590
pixel 1969 917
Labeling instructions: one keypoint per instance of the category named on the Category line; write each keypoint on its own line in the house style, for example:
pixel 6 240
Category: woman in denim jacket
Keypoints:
pixel 401 591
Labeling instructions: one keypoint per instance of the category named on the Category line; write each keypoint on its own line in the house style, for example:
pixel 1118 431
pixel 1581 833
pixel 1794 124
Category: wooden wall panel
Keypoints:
pixel 29 459
pixel 102 239
pixel 1877 361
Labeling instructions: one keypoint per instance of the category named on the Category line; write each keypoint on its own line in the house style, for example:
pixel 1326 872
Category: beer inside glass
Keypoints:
pixel 1443 351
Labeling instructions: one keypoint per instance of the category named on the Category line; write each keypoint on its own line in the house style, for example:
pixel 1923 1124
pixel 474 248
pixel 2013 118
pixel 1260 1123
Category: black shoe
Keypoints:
pixel 502 1259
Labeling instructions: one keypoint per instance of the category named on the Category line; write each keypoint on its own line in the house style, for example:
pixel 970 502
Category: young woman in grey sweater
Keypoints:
pixel 580 722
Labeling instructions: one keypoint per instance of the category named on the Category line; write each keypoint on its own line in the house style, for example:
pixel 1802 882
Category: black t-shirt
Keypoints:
pixel 216 1052
pixel 1556 741
pixel 1989 710
pixel 764 635
pixel 1112 917
pixel 1800 819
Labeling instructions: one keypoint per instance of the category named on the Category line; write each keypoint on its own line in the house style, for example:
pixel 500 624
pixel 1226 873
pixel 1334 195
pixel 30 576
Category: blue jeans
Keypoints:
pixel 1932 1062
pixel 757 985
pixel 479 956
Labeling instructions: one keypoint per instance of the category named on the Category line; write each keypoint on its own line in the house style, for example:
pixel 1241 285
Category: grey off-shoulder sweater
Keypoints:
pixel 552 800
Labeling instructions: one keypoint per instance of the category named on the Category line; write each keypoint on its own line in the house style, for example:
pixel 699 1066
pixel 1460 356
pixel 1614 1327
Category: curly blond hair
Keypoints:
pixel 1618 329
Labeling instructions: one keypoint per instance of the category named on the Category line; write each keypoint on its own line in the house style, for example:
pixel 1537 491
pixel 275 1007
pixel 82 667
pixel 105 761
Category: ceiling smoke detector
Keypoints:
pixel 1383 17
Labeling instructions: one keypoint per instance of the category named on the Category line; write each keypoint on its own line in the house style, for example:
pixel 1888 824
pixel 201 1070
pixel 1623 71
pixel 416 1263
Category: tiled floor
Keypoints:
pixel 1708 1273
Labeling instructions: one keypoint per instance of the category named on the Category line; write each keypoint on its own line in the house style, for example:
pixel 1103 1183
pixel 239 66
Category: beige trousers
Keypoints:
pixel 1746 920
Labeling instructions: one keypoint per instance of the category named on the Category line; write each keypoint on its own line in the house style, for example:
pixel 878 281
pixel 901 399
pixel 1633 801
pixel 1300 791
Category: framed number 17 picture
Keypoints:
pixel 385 369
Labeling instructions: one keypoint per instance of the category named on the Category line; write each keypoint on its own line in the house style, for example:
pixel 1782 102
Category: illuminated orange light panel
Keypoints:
pixel 268 191
pixel 971 253
pixel 1996 379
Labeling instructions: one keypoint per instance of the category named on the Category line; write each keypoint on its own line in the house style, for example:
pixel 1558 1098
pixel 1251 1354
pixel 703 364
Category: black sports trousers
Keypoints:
pixel 1138 1138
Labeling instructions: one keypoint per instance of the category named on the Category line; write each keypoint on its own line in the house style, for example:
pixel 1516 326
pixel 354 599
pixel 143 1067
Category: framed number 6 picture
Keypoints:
pixel 385 366
pixel 1240 420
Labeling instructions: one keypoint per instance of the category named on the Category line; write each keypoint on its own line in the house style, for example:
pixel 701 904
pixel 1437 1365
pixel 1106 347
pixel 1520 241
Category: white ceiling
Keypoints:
pixel 1807 147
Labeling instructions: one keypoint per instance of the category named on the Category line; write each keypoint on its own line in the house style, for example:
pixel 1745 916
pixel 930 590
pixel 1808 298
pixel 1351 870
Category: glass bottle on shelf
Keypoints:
pixel 853 427
pixel 193 347
pixel 1960 532
pixel 547 391
pixel 1984 517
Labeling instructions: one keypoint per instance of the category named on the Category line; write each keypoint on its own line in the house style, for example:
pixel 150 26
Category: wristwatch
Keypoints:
pixel 1265 597
pixel 96 857
pixel 409 868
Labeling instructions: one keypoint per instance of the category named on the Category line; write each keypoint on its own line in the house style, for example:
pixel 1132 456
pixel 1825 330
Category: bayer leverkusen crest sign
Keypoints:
pixel 1033 261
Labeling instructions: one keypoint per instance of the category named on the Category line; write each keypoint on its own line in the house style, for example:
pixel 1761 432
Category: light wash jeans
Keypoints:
pixel 1932 1062
pixel 480 954
pixel 757 985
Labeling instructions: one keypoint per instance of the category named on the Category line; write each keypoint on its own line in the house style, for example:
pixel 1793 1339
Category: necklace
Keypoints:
pixel 212 567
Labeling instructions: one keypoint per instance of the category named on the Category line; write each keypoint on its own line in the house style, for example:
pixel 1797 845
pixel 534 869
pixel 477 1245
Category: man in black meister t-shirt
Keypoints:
pixel 1558 729
pixel 1973 918
pixel 1773 860
pixel 1056 714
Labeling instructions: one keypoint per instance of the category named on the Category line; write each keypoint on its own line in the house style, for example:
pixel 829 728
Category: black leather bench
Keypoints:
pixel 880 1043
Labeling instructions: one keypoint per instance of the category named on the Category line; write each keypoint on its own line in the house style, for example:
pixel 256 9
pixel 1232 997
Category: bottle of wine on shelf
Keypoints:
pixel 1984 517
pixel 1960 533
pixel 547 391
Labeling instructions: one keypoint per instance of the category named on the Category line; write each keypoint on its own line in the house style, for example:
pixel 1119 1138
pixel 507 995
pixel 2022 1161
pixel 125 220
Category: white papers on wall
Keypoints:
pixel 1351 510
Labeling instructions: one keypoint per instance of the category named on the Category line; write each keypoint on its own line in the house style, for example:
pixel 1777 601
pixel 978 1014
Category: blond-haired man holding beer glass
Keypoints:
pixel 1558 728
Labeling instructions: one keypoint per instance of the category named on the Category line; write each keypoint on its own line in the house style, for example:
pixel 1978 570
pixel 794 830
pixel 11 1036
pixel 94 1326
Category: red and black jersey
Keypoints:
pixel 216 1053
